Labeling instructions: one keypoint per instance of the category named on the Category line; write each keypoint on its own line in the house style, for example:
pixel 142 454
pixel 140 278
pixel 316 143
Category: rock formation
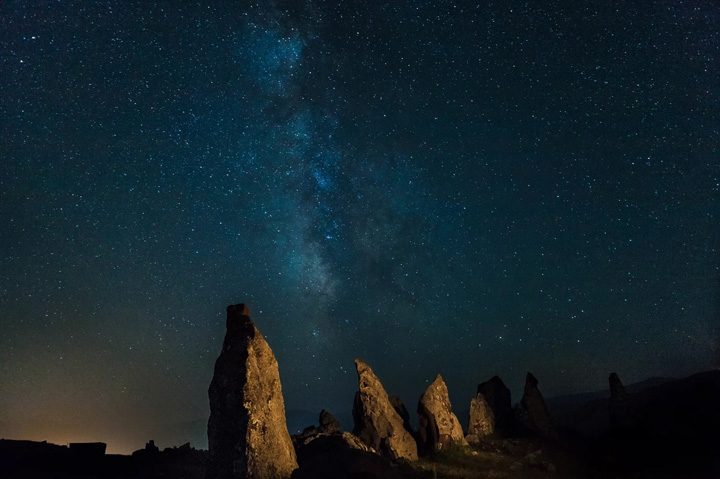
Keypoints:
pixel 247 433
pixel 482 419
pixel 150 451
pixel 377 423
pixel 534 414
pixel 438 427
pixel 619 413
pixel 399 406
pixel 328 423
pixel 491 410
pixel 341 456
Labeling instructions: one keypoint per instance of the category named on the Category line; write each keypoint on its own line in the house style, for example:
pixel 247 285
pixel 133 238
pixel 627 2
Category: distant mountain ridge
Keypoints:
pixel 673 402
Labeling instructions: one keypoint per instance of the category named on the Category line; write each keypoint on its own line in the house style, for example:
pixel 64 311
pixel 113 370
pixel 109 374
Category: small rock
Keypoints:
pixel 328 423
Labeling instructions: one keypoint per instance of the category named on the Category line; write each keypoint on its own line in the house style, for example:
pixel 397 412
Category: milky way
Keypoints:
pixel 470 188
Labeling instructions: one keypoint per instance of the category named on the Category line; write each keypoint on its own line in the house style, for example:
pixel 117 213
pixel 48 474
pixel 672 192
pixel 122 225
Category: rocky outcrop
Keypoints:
pixel 344 456
pixel 328 423
pixel 491 410
pixel 377 423
pixel 533 413
pixel 619 408
pixel 247 433
pixel 438 427
pixel 304 437
pixel 151 451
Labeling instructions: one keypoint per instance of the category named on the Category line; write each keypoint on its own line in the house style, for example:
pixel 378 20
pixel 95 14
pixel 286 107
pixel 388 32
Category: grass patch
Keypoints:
pixel 494 459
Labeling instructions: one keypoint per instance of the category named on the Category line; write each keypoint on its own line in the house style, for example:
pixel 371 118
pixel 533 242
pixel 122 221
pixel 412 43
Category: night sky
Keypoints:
pixel 469 188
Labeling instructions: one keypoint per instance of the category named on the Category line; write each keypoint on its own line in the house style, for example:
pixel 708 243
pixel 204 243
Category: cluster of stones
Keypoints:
pixel 248 435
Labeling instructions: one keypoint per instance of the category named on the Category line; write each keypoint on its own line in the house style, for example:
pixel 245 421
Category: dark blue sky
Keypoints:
pixel 470 188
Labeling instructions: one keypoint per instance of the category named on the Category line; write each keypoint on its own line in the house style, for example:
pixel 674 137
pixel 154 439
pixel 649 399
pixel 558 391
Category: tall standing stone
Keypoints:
pixel 482 418
pixel 247 433
pixel 534 413
pixel 377 423
pixel 619 413
pixel 491 410
pixel 438 427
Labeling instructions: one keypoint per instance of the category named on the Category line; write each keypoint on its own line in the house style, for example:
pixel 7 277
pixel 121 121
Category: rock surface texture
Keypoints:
pixel 491 410
pixel 247 432
pixel 438 427
pixel 482 418
pixel 377 423
pixel 534 413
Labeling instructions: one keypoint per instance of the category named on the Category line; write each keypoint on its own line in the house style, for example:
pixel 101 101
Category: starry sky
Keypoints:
pixel 469 188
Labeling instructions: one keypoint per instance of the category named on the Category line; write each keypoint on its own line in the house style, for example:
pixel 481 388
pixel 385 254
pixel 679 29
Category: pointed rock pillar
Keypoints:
pixel 619 407
pixel 247 433
pixel 534 413
pixel 377 423
pixel 438 427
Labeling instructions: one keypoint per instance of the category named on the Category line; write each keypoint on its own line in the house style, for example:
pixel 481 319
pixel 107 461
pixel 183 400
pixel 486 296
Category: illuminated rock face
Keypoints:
pixel 482 418
pixel 377 423
pixel 247 432
pixel 438 427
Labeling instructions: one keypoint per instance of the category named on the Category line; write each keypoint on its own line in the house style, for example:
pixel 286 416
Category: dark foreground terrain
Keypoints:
pixel 672 430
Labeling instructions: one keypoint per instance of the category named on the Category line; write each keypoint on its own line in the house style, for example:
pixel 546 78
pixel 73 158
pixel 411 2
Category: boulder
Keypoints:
pixel 438 427
pixel 533 413
pixel 377 423
pixel 328 423
pixel 247 432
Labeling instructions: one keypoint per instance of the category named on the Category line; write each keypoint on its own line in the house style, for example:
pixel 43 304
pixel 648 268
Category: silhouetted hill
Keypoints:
pixel 587 413
pixel 42 460
pixel 673 402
